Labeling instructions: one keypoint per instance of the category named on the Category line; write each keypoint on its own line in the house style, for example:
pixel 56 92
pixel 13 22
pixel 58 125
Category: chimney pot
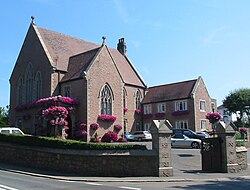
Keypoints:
pixel 121 46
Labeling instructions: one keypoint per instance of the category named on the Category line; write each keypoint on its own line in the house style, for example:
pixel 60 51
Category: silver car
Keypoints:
pixel 142 136
pixel 182 141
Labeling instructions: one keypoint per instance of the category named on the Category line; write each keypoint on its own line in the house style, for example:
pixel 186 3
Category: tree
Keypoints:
pixel 4 112
pixel 238 102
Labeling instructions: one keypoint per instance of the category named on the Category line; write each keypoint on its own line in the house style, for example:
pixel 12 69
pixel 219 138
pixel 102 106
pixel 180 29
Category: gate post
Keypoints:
pixel 228 147
pixel 161 131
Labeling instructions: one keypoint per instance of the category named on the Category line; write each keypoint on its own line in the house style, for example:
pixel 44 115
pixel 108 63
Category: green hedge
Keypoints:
pixel 64 144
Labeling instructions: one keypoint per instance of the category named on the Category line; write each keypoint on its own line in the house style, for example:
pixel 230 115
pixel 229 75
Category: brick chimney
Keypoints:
pixel 121 46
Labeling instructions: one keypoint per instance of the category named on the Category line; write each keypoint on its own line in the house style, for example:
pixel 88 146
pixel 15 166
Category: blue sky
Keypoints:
pixel 167 40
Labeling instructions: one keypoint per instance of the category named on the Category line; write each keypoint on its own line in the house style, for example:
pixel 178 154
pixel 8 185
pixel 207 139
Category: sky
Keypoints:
pixel 167 40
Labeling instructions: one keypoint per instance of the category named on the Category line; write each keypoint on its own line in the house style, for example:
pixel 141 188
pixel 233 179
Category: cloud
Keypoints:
pixel 123 13
pixel 212 36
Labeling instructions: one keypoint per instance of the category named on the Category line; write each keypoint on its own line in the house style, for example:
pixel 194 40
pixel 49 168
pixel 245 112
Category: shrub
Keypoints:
pixel 94 126
pixel 118 127
pixel 110 137
pixel 63 144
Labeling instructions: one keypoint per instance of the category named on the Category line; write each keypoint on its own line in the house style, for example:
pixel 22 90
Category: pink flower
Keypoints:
pixel 125 110
pixel 94 126
pixel 105 117
pixel 243 130
pixel 213 117
pixel 83 125
pixel 118 127
pixel 66 128
pixel 52 122
pixel 138 111
pixel 109 137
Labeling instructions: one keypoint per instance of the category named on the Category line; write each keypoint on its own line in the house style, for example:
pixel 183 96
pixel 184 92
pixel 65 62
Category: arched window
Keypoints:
pixel 29 84
pixel 20 91
pixel 106 100
pixel 38 85
pixel 124 98
pixel 138 99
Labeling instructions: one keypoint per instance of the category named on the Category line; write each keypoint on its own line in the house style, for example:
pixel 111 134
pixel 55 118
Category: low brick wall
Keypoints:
pixel 241 153
pixel 83 162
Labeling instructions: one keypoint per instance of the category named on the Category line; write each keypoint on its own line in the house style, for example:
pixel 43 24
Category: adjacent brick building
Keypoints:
pixel 184 104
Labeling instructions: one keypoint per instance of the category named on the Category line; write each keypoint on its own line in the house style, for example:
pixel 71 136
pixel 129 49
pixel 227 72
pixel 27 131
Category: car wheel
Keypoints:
pixel 140 139
pixel 195 145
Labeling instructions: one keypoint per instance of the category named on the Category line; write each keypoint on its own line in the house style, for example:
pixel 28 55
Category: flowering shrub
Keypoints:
pixel 118 127
pixel 125 110
pixel 138 111
pixel 58 122
pixel 110 137
pixel 70 108
pixel 94 126
pixel 55 111
pixel 213 117
pixel 50 101
pixel 243 130
pixel 105 117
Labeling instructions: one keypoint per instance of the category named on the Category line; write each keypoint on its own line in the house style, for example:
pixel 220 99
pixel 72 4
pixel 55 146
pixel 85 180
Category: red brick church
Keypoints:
pixel 102 80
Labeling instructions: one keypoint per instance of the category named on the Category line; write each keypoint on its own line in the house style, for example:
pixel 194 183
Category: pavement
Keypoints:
pixel 186 167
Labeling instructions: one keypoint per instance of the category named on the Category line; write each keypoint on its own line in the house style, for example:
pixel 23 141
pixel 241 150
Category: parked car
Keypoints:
pixel 182 141
pixel 142 136
pixel 129 136
pixel 189 133
pixel 11 130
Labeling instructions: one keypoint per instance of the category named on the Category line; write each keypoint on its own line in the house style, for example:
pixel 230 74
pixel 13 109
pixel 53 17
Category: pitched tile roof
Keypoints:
pixel 61 47
pixel 168 92
pixel 78 64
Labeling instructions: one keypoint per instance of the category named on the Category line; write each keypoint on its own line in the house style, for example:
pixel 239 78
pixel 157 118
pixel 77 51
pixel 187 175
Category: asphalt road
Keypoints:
pixel 186 164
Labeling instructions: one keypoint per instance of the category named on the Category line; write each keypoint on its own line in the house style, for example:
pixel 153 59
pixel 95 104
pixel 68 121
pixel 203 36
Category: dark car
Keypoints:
pixel 189 133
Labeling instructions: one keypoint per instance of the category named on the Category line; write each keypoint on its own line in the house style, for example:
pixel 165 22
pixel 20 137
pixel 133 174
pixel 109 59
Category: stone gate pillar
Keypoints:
pixel 228 147
pixel 161 131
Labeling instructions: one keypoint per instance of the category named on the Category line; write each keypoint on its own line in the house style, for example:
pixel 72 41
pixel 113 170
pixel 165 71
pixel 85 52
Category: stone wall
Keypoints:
pixel 241 153
pixel 83 162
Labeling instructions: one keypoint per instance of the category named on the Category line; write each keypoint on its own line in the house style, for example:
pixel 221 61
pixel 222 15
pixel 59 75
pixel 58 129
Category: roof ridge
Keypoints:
pixel 85 52
pixel 77 38
pixel 173 83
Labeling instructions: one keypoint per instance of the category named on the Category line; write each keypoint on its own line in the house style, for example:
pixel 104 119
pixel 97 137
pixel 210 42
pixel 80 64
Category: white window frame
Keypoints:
pixel 181 124
pixel 203 125
pixel 147 109
pixel 181 105
pixel 161 108
pixel 202 105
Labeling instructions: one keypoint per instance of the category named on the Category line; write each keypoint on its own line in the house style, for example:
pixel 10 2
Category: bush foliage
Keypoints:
pixel 64 144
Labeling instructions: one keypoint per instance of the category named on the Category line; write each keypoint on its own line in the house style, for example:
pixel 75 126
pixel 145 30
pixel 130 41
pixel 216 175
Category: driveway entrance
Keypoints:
pixel 186 161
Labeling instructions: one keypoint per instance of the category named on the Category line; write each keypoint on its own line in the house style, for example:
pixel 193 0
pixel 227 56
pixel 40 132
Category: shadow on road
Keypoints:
pixel 229 184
